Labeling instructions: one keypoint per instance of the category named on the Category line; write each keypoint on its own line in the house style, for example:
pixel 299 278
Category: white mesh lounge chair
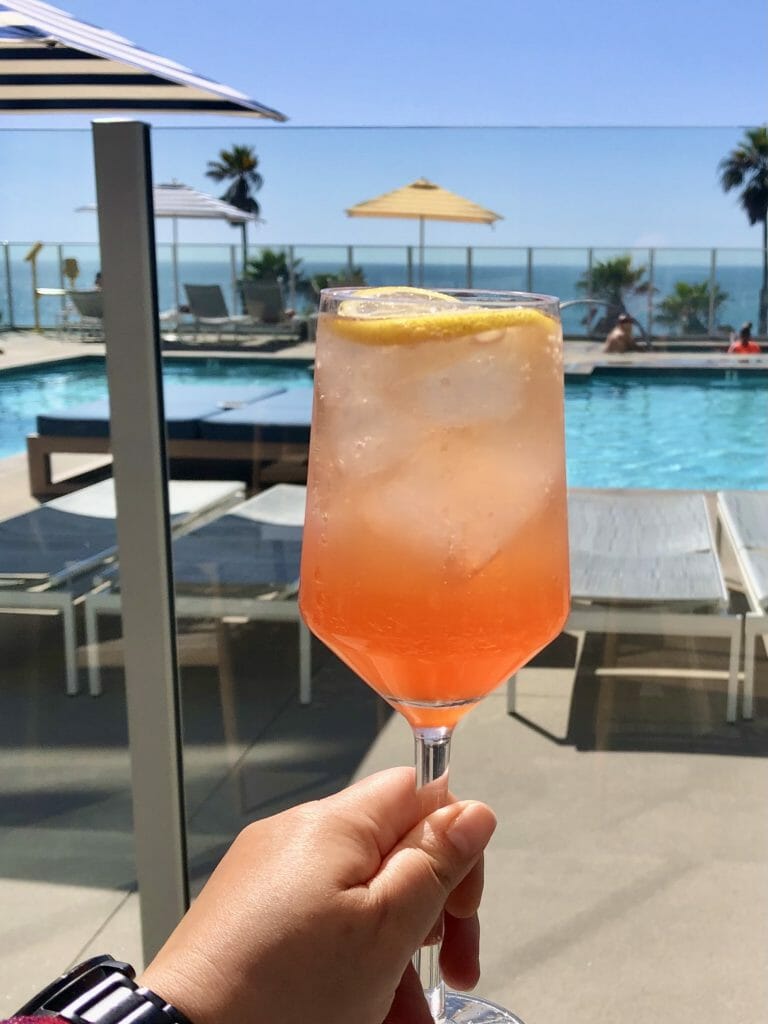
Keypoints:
pixel 209 310
pixel 646 563
pixel 743 516
pixel 89 306
pixel 244 563
pixel 48 557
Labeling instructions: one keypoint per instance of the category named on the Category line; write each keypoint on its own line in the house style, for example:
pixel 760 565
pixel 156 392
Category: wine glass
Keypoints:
pixel 435 554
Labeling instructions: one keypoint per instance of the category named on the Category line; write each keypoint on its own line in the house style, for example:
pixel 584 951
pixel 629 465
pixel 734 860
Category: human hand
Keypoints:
pixel 314 914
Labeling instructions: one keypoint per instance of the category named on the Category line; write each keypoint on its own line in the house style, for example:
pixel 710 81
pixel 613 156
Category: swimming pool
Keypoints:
pixel 699 431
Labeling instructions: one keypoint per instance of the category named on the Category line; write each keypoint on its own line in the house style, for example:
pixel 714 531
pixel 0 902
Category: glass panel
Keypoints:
pixel 67 871
pixel 497 269
pixel 628 800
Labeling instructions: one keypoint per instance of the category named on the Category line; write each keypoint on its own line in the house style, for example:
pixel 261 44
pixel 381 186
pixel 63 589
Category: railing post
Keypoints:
pixel 469 266
pixel 233 276
pixel 409 264
pixel 291 279
pixel 651 264
pixel 134 375
pixel 350 260
pixel 590 263
pixel 8 289
pixel 712 289
pixel 529 270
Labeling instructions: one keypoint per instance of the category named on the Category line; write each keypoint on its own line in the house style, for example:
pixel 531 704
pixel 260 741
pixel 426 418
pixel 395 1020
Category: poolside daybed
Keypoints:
pixel 255 426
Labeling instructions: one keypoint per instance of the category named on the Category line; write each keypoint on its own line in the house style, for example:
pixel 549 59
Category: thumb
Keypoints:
pixel 419 874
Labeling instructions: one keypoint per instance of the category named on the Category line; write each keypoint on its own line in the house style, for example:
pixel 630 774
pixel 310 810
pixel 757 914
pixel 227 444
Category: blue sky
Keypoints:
pixel 596 63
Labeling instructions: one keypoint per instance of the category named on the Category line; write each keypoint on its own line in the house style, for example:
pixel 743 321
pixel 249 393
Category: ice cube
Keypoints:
pixel 458 502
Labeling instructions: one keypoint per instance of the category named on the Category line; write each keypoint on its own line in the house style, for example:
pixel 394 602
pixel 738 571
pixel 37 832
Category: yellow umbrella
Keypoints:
pixel 423 200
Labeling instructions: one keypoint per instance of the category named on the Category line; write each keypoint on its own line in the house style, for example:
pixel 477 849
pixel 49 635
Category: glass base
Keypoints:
pixel 463 1009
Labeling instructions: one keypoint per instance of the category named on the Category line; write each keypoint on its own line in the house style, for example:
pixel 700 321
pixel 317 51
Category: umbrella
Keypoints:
pixel 53 63
pixel 423 200
pixel 178 201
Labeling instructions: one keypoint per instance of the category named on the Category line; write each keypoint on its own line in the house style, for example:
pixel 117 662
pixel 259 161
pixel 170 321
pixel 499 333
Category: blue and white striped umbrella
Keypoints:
pixel 52 63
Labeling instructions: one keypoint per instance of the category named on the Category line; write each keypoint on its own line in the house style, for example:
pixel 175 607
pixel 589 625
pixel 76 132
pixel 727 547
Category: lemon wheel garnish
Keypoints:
pixel 419 317
pixel 360 305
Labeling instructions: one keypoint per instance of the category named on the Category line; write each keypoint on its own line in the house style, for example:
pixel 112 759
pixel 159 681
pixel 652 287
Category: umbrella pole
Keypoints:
pixel 421 252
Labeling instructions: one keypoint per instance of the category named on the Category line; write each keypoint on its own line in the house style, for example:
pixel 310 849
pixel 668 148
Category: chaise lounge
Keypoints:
pixel 48 557
pixel 244 563
pixel 644 563
pixel 743 516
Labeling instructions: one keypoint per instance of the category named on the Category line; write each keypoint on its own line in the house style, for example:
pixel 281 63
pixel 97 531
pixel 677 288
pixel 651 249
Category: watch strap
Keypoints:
pixel 102 991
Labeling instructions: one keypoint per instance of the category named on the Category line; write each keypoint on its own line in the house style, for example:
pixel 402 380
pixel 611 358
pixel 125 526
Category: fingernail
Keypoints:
pixel 471 829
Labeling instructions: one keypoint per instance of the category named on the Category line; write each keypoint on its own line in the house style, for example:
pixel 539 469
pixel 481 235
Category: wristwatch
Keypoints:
pixel 101 991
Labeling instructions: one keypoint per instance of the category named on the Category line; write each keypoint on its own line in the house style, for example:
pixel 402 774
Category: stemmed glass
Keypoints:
pixel 435 556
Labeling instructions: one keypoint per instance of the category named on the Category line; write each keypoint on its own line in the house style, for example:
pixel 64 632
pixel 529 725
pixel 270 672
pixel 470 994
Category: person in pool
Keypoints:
pixel 743 344
pixel 620 338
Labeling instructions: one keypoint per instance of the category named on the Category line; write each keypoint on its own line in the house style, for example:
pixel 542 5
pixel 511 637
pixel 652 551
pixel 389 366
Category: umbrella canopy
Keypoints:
pixel 178 201
pixel 423 200
pixel 53 63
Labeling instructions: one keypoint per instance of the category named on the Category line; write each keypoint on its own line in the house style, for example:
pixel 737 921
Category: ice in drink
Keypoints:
pixel 435 558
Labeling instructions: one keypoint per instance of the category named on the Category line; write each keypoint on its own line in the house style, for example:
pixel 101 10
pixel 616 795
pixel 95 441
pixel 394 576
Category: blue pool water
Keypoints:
pixel 695 432
pixel 700 431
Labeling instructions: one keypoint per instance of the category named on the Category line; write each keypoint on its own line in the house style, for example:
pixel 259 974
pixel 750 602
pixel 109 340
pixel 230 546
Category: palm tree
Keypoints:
pixel 238 166
pixel 612 281
pixel 747 166
pixel 687 307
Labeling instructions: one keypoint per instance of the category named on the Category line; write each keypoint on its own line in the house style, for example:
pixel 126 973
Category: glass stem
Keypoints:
pixel 433 751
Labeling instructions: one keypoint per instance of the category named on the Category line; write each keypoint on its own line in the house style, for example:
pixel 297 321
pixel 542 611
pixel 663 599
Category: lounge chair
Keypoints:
pixel 209 310
pixel 245 563
pixel 743 516
pixel 89 306
pixel 645 563
pixel 265 305
pixel 48 556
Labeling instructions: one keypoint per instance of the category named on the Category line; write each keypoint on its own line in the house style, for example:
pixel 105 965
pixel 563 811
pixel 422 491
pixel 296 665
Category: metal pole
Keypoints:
pixel 590 264
pixel 409 264
pixel 175 261
pixel 712 290
pixel 233 273
pixel 291 278
pixel 651 262
pixel 63 299
pixel 350 260
pixel 131 328
pixel 529 270
pixel 8 282
pixel 421 252
pixel 469 266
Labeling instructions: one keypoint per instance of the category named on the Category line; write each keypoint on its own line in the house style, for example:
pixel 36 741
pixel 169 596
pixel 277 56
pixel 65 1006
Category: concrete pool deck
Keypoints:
pixel 30 348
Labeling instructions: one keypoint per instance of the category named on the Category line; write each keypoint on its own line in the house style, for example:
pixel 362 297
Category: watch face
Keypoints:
pixel 86 973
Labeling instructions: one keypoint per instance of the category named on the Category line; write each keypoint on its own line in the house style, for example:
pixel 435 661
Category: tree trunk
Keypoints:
pixel 762 326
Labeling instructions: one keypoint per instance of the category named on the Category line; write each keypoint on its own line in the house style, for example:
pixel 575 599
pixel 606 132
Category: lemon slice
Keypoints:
pixel 422 315
pixel 412 298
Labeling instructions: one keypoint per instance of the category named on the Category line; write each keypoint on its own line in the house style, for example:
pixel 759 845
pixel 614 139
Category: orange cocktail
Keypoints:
pixel 435 557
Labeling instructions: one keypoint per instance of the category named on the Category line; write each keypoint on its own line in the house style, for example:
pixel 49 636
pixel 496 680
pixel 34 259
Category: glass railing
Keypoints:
pixel 631 749
pixel 680 293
